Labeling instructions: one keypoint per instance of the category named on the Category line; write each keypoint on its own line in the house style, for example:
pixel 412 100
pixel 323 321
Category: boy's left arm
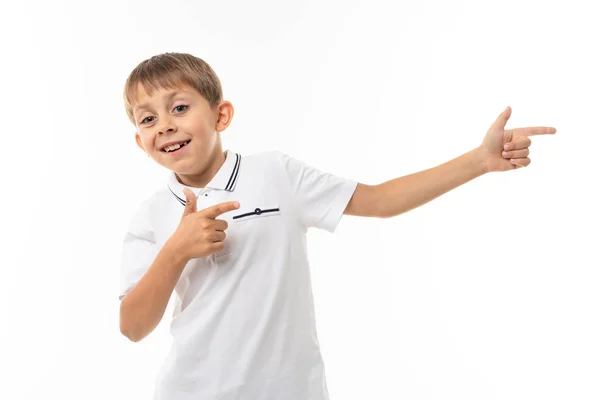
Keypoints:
pixel 501 150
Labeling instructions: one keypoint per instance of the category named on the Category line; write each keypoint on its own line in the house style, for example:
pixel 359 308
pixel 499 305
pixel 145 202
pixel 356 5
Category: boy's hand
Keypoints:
pixel 504 150
pixel 199 233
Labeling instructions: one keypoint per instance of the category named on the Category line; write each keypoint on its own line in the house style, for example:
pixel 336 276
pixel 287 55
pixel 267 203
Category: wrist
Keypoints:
pixel 175 247
pixel 478 161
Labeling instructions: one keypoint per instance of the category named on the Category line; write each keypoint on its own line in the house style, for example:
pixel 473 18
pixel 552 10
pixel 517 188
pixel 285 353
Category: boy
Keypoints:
pixel 227 234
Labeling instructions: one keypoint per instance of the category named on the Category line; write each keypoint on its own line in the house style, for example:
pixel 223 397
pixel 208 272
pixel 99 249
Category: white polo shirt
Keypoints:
pixel 244 323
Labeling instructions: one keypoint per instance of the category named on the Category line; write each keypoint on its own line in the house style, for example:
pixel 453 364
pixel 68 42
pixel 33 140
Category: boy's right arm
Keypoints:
pixel 199 234
pixel 144 305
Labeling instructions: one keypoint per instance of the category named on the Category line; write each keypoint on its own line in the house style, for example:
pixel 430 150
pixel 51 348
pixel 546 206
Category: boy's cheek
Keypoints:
pixel 147 144
pixel 141 141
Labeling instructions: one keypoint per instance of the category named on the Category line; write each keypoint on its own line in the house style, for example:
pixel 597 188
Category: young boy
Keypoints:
pixel 227 233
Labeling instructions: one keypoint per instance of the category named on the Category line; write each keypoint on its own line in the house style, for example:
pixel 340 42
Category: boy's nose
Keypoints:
pixel 166 127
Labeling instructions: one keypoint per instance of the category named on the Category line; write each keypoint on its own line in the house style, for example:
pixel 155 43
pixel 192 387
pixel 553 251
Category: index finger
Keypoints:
pixel 218 209
pixel 533 131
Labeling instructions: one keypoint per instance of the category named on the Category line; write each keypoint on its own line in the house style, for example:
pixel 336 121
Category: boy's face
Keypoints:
pixel 178 128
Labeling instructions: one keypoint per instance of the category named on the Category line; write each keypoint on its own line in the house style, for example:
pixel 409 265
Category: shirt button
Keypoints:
pixel 257 211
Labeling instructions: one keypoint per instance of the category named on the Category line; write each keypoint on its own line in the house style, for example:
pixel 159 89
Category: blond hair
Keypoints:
pixel 168 70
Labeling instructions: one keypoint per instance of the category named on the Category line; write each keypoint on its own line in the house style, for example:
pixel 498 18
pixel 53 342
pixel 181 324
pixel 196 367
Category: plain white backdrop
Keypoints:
pixel 489 292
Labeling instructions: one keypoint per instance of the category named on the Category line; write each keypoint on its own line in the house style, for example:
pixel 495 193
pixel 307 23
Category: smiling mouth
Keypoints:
pixel 175 147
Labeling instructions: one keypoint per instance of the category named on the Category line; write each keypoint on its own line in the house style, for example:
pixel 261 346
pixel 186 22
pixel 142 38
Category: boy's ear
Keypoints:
pixel 224 116
pixel 138 140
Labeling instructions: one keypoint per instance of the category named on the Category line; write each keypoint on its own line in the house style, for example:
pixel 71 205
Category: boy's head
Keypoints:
pixel 175 101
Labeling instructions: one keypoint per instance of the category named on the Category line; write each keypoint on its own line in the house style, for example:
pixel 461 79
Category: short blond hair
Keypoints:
pixel 168 70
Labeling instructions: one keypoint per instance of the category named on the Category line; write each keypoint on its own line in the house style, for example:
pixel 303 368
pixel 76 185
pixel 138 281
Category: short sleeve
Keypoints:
pixel 320 197
pixel 138 251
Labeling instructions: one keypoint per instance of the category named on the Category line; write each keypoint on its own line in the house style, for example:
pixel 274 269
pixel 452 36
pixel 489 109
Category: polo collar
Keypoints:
pixel 225 179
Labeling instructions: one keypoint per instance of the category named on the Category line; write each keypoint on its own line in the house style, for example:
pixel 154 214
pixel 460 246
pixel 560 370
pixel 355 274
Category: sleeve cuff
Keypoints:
pixel 339 205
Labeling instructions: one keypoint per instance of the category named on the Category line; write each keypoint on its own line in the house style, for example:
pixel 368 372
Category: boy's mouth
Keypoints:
pixel 174 147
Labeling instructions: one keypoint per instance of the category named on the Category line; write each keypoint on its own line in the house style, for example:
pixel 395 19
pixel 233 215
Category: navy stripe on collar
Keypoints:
pixel 182 201
pixel 234 173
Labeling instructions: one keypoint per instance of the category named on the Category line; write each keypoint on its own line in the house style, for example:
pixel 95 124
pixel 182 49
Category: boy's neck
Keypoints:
pixel 204 178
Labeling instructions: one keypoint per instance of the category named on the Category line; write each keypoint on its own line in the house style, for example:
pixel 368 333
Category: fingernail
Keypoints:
pixel 506 146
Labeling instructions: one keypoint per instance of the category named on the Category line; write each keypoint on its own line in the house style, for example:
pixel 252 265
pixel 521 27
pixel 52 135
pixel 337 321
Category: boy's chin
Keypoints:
pixel 184 169
pixel 180 166
pixel 185 164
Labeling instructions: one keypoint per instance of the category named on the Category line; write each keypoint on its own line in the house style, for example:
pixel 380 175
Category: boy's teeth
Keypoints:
pixel 174 147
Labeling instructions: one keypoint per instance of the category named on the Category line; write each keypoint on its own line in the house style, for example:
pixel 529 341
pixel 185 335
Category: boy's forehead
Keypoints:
pixel 142 97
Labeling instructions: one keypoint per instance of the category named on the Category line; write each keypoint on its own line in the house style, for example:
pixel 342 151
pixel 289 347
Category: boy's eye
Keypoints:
pixel 180 108
pixel 146 120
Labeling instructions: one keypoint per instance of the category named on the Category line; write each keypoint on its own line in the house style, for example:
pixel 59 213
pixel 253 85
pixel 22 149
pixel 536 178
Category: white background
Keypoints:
pixel 489 292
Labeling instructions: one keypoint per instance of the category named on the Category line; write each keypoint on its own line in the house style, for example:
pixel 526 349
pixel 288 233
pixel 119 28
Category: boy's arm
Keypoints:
pixel 199 234
pixel 403 194
pixel 501 150
pixel 144 305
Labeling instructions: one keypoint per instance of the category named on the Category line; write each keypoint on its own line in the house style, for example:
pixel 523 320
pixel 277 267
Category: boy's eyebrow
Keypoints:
pixel 167 97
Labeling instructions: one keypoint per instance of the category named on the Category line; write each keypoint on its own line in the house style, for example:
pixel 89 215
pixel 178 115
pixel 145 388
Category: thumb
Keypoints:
pixel 190 202
pixel 502 119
